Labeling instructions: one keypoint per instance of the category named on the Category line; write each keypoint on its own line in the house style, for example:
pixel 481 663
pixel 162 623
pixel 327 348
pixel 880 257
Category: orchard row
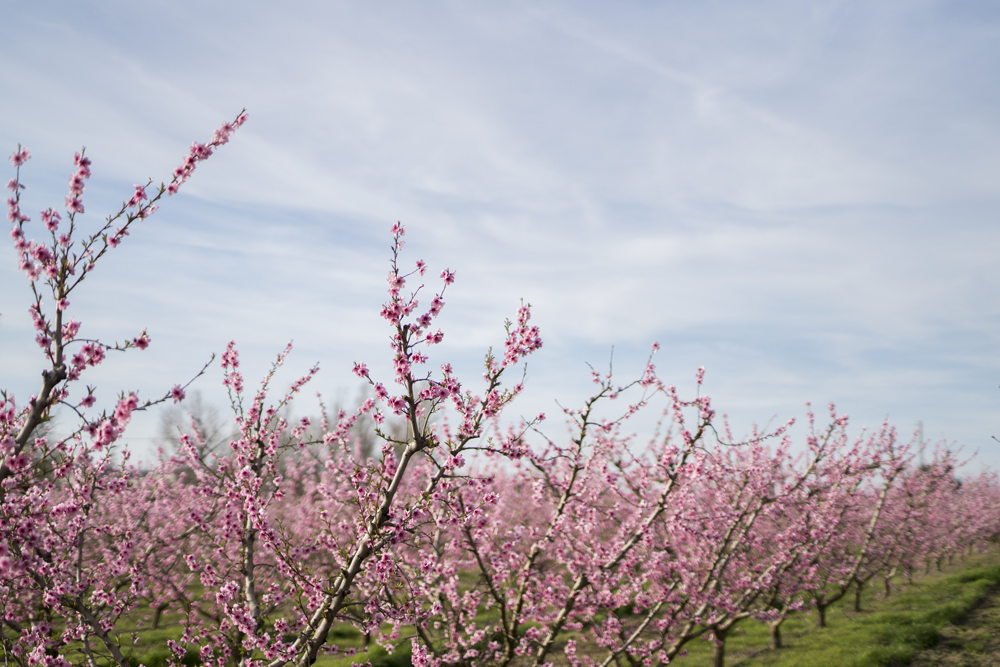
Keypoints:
pixel 467 538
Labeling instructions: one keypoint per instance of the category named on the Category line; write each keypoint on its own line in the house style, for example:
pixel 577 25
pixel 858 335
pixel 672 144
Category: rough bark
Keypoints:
pixel 821 615
pixel 719 649
pixel 775 628
pixel 157 614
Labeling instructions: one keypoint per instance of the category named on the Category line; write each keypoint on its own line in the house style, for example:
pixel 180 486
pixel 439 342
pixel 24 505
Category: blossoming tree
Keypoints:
pixel 597 547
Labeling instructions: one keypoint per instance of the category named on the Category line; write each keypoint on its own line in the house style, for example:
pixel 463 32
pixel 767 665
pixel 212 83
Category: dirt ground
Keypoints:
pixel 974 643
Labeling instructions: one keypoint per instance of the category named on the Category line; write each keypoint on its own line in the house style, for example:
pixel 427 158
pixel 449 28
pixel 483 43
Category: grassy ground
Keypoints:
pixel 974 643
pixel 887 632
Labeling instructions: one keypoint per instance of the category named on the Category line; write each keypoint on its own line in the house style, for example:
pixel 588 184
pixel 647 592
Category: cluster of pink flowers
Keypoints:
pixel 596 547
pixel 197 153
pixel 74 200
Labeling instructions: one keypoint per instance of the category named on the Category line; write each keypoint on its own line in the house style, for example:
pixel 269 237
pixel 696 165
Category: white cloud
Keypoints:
pixel 801 197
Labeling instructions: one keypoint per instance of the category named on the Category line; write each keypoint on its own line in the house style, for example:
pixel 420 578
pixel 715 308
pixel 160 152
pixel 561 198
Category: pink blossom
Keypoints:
pixel 74 204
pixel 76 185
pixel 70 330
pixel 138 197
pixel 79 160
pixel 231 357
pixel 51 219
pixel 20 156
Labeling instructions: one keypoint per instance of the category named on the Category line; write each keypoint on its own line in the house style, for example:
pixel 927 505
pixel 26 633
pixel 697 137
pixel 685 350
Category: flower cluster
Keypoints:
pixel 74 200
pixel 199 152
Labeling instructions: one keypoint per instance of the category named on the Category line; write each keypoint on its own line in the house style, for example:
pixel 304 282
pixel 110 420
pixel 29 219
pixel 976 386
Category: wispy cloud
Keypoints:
pixel 801 196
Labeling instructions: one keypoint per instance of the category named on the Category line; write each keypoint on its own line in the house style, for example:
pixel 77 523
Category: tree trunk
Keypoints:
pixel 820 615
pixel 775 628
pixel 888 580
pixel 719 649
pixel 857 595
pixel 157 613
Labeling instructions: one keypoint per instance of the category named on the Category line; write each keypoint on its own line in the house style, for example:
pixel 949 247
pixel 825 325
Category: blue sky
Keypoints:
pixel 801 196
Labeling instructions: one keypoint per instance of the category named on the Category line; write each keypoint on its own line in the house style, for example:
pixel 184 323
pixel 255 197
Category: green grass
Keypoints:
pixel 888 632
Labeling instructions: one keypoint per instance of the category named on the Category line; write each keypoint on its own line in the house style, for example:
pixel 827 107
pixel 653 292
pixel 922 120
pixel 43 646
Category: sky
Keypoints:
pixel 802 197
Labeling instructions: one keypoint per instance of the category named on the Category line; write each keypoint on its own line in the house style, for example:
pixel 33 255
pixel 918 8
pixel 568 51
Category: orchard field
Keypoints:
pixel 945 618
pixel 465 537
